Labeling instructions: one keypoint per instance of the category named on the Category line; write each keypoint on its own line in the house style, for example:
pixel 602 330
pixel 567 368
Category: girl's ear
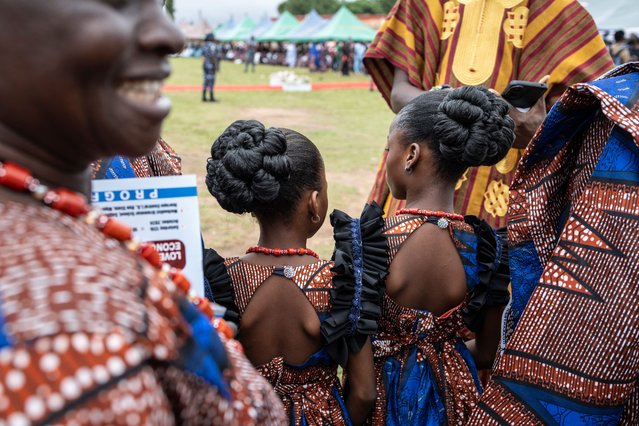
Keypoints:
pixel 314 206
pixel 413 152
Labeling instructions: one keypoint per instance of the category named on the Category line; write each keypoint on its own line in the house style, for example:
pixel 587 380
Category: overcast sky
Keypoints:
pixel 216 11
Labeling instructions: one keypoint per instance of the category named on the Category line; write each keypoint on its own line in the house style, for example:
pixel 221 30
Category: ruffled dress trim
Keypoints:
pixel 360 268
pixel 221 285
pixel 493 273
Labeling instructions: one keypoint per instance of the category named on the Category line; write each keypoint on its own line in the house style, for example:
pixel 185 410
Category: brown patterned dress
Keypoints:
pixel 425 374
pixel 89 334
pixel 311 392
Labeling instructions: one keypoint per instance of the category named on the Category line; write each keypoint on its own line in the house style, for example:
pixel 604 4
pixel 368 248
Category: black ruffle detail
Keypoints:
pixel 220 283
pixel 361 266
pixel 494 272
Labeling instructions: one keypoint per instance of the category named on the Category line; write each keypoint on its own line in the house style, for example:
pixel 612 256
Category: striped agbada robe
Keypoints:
pixel 489 43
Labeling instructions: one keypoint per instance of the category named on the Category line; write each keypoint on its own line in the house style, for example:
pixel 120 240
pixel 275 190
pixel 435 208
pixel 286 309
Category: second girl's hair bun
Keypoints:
pixel 248 164
pixel 473 127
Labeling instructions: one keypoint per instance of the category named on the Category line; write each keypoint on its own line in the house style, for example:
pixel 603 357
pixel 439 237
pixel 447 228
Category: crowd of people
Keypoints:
pixel 317 57
pixel 624 49
pixel 425 288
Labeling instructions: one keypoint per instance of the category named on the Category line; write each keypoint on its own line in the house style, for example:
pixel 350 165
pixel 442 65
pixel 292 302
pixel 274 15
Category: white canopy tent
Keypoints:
pixel 613 14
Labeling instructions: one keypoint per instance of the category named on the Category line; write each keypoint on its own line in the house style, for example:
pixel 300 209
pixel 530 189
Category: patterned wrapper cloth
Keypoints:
pixel 574 234
pixel 489 43
pixel 161 161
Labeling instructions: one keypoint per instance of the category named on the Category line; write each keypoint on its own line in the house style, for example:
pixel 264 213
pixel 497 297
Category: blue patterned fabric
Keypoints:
pixel 412 393
pixel 619 161
pixel 468 255
pixel 556 410
pixel 117 167
pixel 5 341
pixel 525 261
pixel 358 266
pixel 204 355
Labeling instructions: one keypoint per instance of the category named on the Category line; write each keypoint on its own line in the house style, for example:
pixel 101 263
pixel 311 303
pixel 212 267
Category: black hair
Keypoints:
pixel 262 171
pixel 620 35
pixel 463 127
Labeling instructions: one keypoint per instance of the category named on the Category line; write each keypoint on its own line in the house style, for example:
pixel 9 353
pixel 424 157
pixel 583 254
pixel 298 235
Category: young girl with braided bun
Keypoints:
pixel 446 272
pixel 299 316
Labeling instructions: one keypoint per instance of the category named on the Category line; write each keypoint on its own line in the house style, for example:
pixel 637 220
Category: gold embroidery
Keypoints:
pixel 508 163
pixel 496 198
pixel 451 18
pixel 461 180
pixel 481 28
pixel 515 26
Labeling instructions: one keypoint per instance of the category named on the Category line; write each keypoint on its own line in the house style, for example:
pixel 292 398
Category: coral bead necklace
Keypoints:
pixel 282 252
pixel 73 204
pixel 444 217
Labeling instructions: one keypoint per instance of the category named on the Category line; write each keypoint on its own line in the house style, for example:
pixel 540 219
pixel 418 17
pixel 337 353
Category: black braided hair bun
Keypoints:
pixel 473 128
pixel 247 167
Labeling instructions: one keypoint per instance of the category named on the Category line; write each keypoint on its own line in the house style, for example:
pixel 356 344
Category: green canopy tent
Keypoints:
pixel 344 26
pixel 240 32
pixel 284 25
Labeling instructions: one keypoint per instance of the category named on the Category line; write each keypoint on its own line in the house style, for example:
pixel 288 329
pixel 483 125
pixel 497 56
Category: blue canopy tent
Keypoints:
pixel 263 26
pixel 225 28
pixel 311 24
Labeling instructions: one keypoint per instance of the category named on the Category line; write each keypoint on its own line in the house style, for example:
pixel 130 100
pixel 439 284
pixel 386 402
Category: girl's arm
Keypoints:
pixel 484 347
pixel 360 373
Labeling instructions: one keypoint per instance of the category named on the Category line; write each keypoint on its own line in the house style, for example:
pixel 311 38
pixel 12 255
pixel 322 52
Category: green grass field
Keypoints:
pixel 348 126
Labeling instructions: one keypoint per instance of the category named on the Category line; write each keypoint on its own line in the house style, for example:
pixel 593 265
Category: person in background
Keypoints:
pixel 291 55
pixel 313 57
pixel 569 355
pixel 346 57
pixel 425 44
pixel 620 49
pixel 294 312
pixel 633 47
pixel 210 62
pixel 359 49
pixel 447 271
pixel 251 49
pixel 93 328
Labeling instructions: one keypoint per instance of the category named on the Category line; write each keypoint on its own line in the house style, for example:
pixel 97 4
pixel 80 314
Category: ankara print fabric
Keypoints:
pixel 574 234
pixel 90 334
pixel 425 374
pixel 311 392
pixel 488 43
pixel 161 161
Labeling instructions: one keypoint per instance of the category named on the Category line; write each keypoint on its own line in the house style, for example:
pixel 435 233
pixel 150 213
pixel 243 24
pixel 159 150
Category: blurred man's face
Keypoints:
pixel 85 75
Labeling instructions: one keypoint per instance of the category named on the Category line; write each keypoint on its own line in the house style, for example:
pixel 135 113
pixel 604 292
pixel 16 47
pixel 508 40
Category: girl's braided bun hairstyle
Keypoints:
pixel 253 169
pixel 463 127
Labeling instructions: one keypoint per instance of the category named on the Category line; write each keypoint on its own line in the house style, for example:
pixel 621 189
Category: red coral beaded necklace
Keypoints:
pixel 282 252
pixel 444 217
pixel 75 205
